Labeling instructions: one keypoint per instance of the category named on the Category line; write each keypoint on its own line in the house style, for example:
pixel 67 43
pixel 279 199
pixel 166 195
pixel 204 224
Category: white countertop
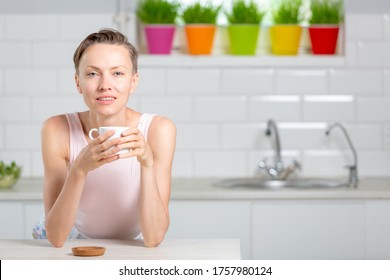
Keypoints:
pixel 187 249
pixel 204 189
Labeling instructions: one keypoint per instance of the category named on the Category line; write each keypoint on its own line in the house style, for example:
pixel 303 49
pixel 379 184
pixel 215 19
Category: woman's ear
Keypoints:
pixel 134 83
pixel 77 81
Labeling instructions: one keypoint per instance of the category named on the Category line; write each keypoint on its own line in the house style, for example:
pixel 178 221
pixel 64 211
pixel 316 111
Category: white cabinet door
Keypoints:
pixel 32 212
pixel 11 220
pixel 378 229
pixel 211 219
pixel 308 230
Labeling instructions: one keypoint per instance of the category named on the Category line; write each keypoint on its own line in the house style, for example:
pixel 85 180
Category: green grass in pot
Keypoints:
pixel 245 13
pixel 198 13
pixel 287 12
pixel 326 12
pixel 158 11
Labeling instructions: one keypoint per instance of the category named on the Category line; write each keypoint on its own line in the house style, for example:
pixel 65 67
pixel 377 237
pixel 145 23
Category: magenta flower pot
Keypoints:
pixel 159 38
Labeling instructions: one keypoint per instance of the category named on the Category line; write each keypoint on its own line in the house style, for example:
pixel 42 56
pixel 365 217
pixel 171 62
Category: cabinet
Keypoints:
pixel 11 220
pixel 211 219
pixel 300 229
pixel 18 218
pixel 378 229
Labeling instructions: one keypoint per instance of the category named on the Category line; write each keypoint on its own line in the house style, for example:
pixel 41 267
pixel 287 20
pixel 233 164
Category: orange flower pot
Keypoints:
pixel 200 38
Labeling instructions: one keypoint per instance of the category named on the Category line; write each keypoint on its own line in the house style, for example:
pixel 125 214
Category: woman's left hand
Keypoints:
pixel 134 140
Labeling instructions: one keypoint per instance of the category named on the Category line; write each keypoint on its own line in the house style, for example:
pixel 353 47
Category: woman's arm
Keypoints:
pixel 62 191
pixel 155 157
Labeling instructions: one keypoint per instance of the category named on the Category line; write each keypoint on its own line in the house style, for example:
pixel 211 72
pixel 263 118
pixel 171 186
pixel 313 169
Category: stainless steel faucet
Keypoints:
pixel 278 171
pixel 353 172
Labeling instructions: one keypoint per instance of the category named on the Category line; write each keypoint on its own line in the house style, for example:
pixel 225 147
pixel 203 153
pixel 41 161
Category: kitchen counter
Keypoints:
pixel 176 249
pixel 204 189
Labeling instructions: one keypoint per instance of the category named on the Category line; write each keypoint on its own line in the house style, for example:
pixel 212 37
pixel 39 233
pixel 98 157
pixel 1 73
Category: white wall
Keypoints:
pixel 220 111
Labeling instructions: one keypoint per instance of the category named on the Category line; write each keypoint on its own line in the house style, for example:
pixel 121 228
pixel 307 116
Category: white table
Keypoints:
pixel 169 249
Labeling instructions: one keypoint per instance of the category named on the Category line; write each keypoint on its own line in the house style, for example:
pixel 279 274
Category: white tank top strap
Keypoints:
pixel 77 139
pixel 144 123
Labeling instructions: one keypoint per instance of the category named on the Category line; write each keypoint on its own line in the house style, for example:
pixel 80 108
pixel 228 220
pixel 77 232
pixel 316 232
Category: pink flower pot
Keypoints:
pixel 159 38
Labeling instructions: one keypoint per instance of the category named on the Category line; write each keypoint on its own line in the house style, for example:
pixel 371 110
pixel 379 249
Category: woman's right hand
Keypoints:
pixel 98 152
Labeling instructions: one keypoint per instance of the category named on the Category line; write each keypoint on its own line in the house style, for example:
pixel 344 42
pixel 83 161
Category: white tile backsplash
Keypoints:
pixel 364 27
pixel 328 108
pixel 176 108
pixel 197 136
pixel 309 81
pixel 14 109
pixel 1 136
pixel 44 107
pixel 374 163
pixel 30 82
pixel 145 84
pixel 220 110
pixel 1 82
pixel 373 109
pixel 69 25
pixel 15 55
pixel 22 136
pixel 386 82
pixel 374 54
pixel 244 136
pixel 37 27
pixel 66 82
pixel 53 54
pixel 247 81
pixel 2 27
pixel 278 107
pixel 361 81
pixel 193 81
pixel 387 27
pixel 219 164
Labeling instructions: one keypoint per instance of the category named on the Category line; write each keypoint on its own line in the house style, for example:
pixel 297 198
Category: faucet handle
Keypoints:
pixel 262 164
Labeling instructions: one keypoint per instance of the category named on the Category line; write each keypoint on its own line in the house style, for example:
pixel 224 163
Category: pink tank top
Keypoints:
pixel 109 203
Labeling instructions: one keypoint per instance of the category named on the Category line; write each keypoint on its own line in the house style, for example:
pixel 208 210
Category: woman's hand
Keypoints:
pixel 98 152
pixel 134 140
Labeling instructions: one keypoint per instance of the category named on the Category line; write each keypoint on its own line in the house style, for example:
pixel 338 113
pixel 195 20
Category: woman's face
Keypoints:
pixel 105 78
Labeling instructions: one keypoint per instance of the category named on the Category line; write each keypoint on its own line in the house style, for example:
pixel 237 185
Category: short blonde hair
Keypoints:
pixel 106 36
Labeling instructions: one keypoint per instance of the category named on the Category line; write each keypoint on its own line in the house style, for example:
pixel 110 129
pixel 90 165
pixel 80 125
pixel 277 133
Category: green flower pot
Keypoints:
pixel 243 38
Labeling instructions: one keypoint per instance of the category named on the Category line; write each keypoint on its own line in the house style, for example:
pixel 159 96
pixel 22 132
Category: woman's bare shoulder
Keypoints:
pixel 55 124
pixel 55 130
pixel 162 124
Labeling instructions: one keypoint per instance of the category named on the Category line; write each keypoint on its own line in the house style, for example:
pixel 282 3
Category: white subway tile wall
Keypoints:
pixel 220 110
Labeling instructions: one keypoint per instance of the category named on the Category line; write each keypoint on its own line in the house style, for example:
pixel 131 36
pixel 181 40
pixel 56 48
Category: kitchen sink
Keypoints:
pixel 295 183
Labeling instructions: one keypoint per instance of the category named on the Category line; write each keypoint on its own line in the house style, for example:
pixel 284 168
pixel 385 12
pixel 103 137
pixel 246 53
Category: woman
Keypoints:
pixel 89 190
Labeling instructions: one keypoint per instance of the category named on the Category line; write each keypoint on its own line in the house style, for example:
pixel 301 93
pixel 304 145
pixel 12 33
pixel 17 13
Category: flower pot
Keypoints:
pixel 159 38
pixel 323 38
pixel 243 38
pixel 200 38
pixel 285 39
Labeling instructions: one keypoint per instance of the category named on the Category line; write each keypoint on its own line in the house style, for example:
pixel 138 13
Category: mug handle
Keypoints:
pixel 91 131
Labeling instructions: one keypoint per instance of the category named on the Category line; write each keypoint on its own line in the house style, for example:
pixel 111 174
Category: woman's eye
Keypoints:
pixel 91 74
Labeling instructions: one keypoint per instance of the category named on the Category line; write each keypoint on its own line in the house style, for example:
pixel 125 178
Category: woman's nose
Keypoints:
pixel 105 83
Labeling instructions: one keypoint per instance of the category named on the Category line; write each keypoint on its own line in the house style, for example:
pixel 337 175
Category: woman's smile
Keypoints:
pixel 106 100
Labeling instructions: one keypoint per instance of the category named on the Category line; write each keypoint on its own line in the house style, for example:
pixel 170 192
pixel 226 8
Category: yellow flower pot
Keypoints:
pixel 285 39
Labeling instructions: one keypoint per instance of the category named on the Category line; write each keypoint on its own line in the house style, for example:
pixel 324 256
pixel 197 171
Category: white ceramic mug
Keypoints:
pixel 103 129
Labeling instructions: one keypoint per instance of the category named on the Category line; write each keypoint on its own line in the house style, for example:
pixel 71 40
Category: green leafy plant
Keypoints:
pixel 287 12
pixel 326 12
pixel 9 174
pixel 158 11
pixel 198 13
pixel 243 12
